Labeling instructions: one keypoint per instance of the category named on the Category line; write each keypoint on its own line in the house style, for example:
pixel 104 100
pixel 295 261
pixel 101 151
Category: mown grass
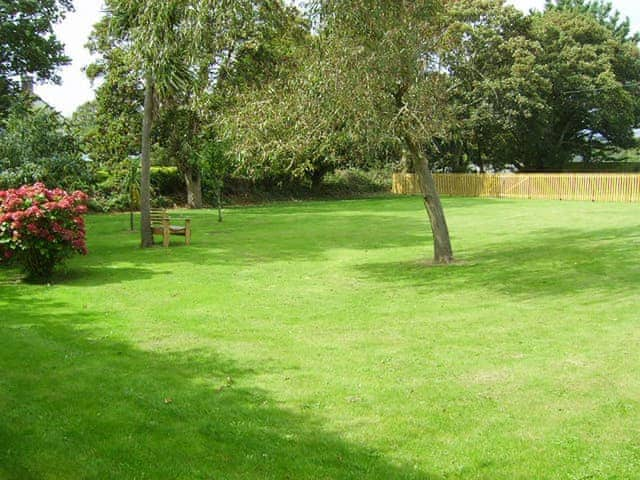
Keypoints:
pixel 311 341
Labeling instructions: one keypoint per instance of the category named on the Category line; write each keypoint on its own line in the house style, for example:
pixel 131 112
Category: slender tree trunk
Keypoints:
pixel 442 251
pixel 219 202
pixel 194 188
pixel 146 237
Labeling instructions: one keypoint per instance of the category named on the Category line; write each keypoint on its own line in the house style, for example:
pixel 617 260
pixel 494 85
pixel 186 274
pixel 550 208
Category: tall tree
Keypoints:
pixel 119 96
pixel 159 36
pixel 370 78
pixel 240 47
pixel 232 44
pixel 29 50
pixel 593 94
pixel 535 91
pixel 496 82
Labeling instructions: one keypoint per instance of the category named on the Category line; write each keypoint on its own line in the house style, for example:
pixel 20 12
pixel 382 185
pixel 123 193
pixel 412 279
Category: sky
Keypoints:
pixel 75 29
pixel 74 32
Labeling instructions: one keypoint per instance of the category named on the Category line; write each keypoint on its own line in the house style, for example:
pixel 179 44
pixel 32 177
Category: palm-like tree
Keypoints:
pixel 160 35
pixel 173 40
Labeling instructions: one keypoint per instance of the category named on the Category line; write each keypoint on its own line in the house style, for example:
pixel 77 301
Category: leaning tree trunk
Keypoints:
pixel 146 237
pixel 442 251
pixel 193 180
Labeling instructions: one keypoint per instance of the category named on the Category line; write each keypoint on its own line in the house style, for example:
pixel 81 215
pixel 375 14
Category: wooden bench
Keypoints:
pixel 161 225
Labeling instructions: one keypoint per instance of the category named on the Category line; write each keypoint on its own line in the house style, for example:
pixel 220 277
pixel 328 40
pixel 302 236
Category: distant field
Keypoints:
pixel 311 341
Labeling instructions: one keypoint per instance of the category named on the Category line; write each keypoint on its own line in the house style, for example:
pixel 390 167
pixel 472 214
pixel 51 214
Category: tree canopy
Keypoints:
pixel 593 102
pixel 28 46
pixel 38 145
pixel 535 91
pixel 368 79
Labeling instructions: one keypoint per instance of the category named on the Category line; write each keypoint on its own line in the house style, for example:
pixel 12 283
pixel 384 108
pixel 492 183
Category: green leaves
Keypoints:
pixel 347 96
pixel 582 61
pixel 36 144
pixel 533 91
pixel 159 33
pixel 602 12
pixel 27 43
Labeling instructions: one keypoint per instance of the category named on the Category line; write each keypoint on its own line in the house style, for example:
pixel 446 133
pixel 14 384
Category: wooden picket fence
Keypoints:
pixel 610 187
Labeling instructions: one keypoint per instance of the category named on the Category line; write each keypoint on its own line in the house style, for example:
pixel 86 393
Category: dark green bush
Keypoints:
pixel 112 202
pixel 357 182
pixel 36 145
pixel 167 181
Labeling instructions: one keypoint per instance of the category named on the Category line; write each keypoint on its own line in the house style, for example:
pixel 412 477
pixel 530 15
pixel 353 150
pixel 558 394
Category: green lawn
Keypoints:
pixel 312 341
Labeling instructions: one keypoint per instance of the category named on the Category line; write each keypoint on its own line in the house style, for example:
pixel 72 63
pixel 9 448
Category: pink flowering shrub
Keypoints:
pixel 39 228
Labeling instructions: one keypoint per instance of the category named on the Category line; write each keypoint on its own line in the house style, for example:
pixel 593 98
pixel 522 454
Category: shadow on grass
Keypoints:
pixel 552 262
pixel 244 240
pixel 543 261
pixel 105 274
pixel 285 231
pixel 77 403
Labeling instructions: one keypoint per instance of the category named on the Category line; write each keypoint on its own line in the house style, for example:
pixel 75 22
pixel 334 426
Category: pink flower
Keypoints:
pixel 33 211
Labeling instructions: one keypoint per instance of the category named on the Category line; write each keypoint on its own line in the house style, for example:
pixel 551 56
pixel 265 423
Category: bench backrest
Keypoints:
pixel 158 217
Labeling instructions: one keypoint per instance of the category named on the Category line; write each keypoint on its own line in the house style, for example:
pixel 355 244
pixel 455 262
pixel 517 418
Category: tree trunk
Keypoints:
pixel 146 237
pixel 219 201
pixel 194 188
pixel 479 154
pixel 442 251
pixel 316 179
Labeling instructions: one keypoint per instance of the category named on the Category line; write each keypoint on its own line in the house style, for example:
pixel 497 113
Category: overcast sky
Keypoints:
pixel 75 29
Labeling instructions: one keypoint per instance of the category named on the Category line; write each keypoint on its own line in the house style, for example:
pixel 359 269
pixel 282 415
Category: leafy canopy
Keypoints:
pixel 28 45
pixel 363 83
pixel 38 145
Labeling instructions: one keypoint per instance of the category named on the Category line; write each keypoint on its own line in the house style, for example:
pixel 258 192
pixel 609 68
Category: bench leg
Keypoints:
pixel 187 232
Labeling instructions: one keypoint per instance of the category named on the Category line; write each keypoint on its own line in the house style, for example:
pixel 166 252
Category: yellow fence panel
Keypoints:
pixel 609 187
